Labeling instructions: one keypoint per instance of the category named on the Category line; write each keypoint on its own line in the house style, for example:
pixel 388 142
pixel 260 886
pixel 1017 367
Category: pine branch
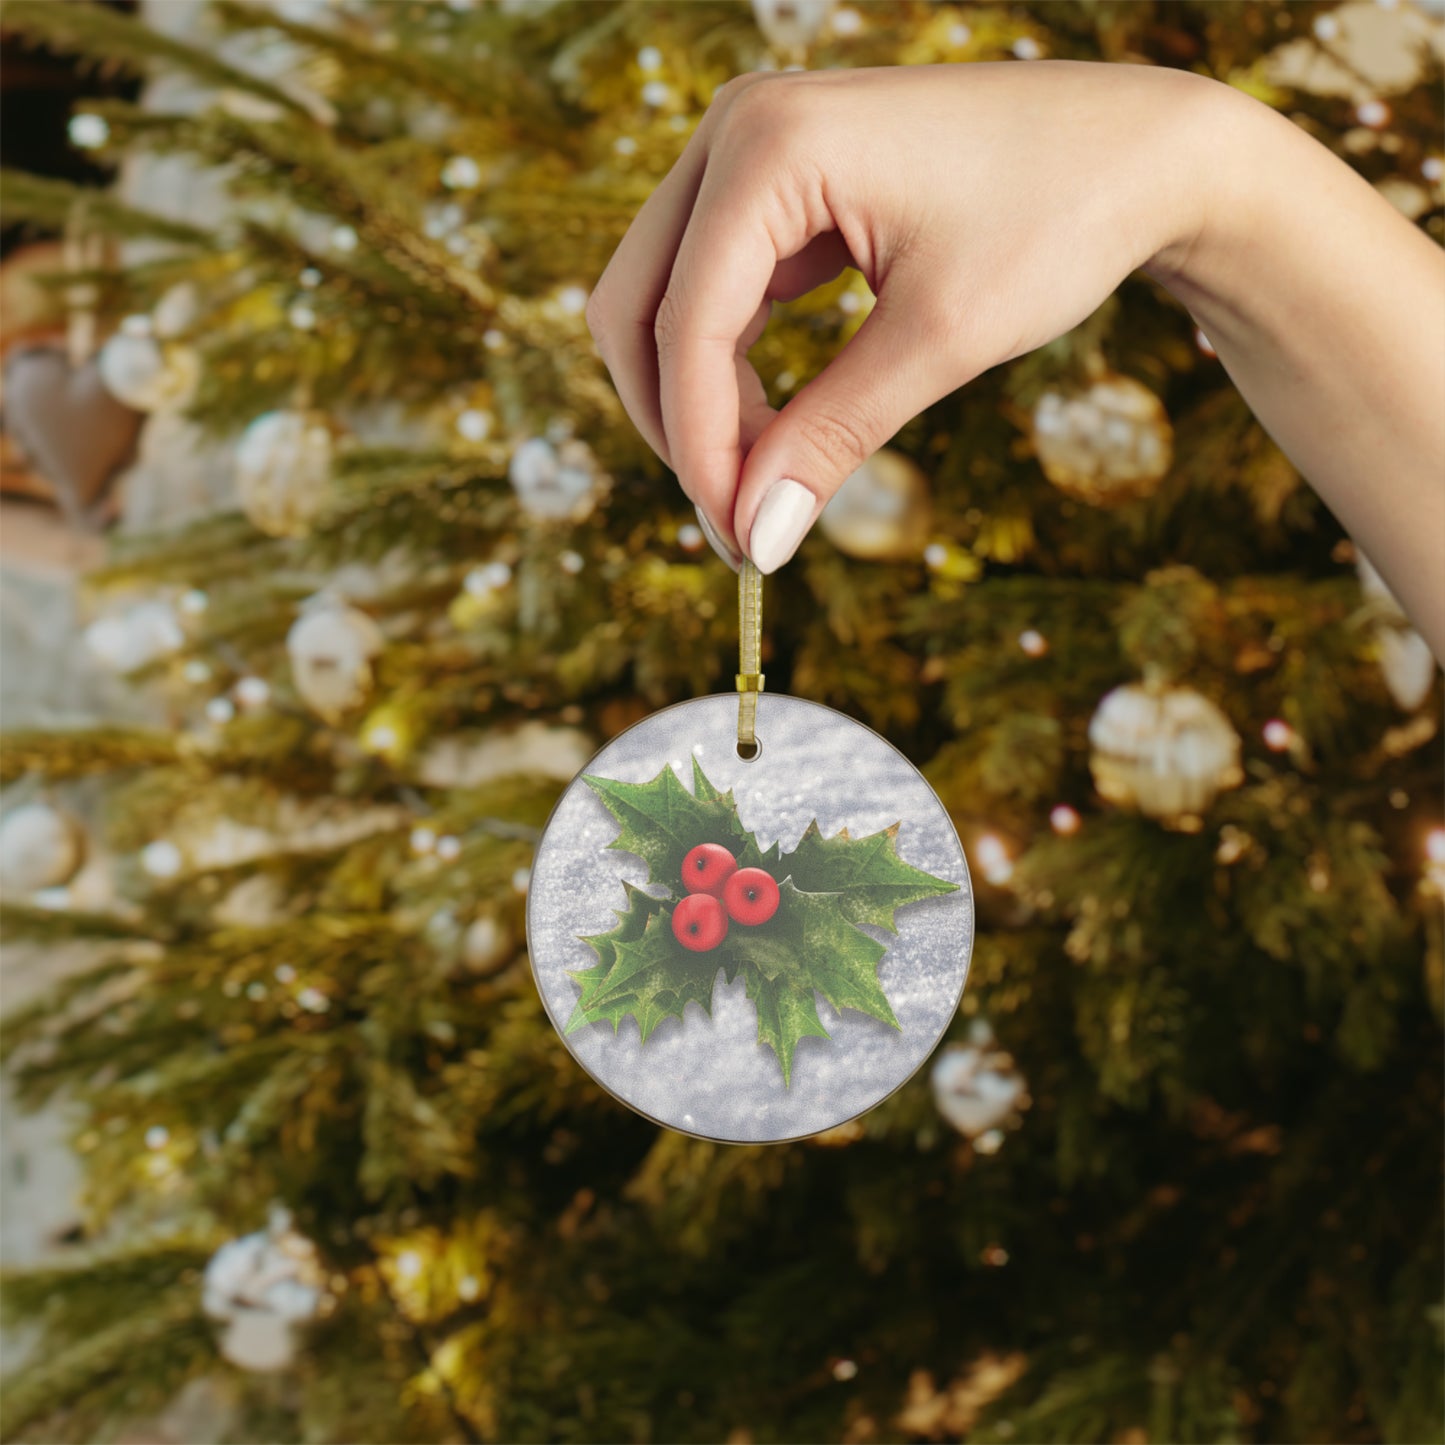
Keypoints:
pixel 112 39
pixel 82 752
pixel 53 204
pixel 123 1355
pixel 521 110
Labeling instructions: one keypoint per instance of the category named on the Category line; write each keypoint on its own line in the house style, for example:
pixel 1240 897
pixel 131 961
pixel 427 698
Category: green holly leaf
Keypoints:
pixel 786 1014
pixel 642 971
pixel 808 946
pixel 662 822
pixel 874 881
pixel 631 921
pixel 751 856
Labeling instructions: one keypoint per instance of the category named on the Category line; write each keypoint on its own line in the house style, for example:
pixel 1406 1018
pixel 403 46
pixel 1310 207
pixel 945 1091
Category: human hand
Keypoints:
pixel 990 208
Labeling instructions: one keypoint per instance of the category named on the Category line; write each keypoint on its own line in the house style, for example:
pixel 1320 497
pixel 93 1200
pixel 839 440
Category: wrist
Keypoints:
pixel 1217 144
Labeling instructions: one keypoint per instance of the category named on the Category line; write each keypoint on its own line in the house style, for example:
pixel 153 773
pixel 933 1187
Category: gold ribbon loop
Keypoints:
pixel 750 646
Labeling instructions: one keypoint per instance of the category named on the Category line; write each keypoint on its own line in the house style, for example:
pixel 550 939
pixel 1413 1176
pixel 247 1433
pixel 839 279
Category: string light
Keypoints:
pixel 313 1000
pixel 423 840
pixel 1278 735
pixel 572 300
pixel 1064 820
pixel 157 1136
pixel 1033 642
pixel 474 425
pixel 449 849
pixel 380 738
pixel 252 692
pixel 193 602
pixel 408 1264
pixel 461 173
pixel 1373 113
pixel 1435 859
pixel 220 710
pixel 88 132
pixel 489 578
pixel 689 537
pixel 993 859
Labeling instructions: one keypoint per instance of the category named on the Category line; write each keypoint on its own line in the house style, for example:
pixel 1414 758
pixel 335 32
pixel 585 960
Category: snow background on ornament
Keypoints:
pixel 711 1077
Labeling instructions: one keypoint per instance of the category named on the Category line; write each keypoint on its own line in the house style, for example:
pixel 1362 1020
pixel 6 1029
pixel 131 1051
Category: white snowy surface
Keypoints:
pixel 710 1076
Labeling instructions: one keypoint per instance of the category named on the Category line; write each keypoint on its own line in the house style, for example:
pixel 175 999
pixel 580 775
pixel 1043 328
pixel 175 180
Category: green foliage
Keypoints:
pixel 810 944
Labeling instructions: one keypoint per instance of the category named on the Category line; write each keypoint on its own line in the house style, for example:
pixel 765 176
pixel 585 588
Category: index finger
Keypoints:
pixel 718 288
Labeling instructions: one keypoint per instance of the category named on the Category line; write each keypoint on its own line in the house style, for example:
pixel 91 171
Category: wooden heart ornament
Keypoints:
pixel 77 435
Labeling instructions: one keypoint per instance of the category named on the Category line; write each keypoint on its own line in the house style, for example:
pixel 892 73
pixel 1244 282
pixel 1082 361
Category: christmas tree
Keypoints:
pixel 1176 1173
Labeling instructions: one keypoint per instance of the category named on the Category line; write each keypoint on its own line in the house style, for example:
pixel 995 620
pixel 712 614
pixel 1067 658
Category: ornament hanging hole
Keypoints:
pixel 750 752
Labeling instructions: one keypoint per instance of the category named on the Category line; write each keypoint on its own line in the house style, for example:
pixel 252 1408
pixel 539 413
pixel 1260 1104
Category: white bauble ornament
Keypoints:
pixel 554 482
pixel 283 470
pixel 1166 751
pixel 149 375
pixel 1110 443
pixel 1405 656
pixel 259 1342
pixel 792 25
pixel 486 945
pixel 331 647
pixel 40 847
pixel 976 1086
pixel 261 1287
pixel 141 634
pixel 882 512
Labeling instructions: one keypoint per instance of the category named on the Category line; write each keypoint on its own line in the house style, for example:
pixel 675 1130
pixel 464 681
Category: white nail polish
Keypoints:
pixel 781 524
pixel 716 542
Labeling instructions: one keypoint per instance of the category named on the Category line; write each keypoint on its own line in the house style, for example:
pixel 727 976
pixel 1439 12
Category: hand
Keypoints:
pixel 990 207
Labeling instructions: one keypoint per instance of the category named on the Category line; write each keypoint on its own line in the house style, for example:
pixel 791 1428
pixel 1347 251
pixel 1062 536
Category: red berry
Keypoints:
pixel 699 922
pixel 751 896
pixel 707 868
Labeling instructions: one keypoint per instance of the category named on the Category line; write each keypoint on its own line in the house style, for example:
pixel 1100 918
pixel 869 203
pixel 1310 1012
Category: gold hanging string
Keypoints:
pixel 750 645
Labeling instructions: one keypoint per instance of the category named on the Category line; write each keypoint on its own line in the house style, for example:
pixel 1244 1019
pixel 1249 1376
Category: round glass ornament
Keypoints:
pixel 788 1026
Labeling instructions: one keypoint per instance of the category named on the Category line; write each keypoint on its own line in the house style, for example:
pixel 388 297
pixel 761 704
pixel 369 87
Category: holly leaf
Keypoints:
pixel 662 822
pixel 630 924
pixel 702 787
pixel 873 880
pixel 642 971
pixel 786 1014
pixel 751 856
pixel 809 945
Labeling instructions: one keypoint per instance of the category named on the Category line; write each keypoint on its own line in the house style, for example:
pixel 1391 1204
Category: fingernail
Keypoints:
pixel 716 542
pixel 781 523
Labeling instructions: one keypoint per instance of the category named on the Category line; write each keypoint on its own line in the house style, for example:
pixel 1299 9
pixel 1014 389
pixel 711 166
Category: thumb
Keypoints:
pixel 899 362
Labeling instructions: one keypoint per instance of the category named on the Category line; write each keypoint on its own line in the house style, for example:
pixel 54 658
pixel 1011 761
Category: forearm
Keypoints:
pixel 1327 308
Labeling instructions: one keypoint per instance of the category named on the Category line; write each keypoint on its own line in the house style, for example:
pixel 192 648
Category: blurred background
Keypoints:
pixel 328 556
